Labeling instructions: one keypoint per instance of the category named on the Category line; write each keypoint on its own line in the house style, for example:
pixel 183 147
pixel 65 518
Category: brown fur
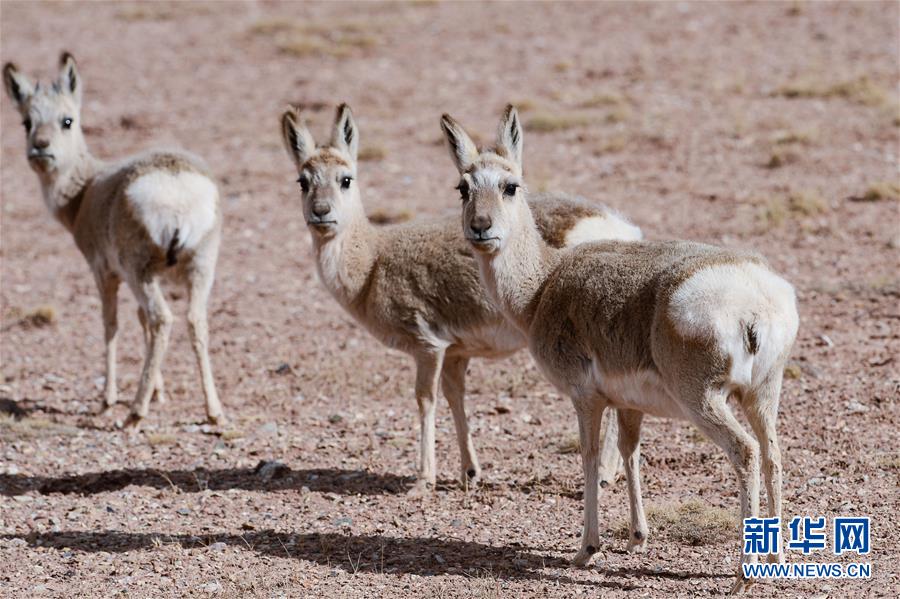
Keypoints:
pixel 89 198
pixel 415 286
pixel 667 328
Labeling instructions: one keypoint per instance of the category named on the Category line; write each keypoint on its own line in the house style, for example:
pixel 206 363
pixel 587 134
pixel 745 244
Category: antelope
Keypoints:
pixel 149 217
pixel 414 286
pixel 667 328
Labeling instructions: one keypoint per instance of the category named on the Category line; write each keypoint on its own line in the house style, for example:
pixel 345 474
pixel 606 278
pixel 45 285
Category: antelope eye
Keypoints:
pixel 463 189
pixel 345 182
pixel 27 124
pixel 510 189
pixel 67 123
pixel 304 184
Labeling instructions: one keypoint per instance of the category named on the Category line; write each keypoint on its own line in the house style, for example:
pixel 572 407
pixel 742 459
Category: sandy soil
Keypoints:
pixel 746 125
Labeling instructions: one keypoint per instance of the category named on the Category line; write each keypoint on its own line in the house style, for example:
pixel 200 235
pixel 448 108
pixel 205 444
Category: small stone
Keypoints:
pixel 826 341
pixel 335 418
pixel 456 523
pixel 211 587
pixel 345 521
pixel 271 469
pixel 439 559
pixel 854 407
pixel 110 509
pixel 23 498
pixel 218 546
pixel 284 368
pixel 269 429
pixel 183 511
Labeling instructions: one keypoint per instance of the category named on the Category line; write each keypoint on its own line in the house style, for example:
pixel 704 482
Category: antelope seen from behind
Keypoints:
pixel 150 217
pixel 664 328
pixel 415 286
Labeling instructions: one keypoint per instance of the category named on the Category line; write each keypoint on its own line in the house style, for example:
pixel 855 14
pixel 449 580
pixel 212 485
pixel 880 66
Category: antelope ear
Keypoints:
pixel 298 141
pixel 69 79
pixel 18 87
pixel 509 135
pixel 462 149
pixel 345 135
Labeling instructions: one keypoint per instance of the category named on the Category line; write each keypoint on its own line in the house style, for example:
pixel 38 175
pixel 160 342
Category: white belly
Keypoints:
pixel 642 390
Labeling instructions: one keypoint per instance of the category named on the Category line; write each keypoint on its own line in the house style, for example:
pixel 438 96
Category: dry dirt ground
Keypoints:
pixel 766 126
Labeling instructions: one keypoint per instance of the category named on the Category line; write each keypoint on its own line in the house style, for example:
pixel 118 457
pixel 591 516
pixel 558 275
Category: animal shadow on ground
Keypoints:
pixel 279 478
pixel 376 554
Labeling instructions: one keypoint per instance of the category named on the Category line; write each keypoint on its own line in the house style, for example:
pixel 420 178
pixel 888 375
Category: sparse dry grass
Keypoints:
pixel 157 439
pixel 780 158
pixel 785 137
pixel 611 145
pixel 371 153
pixel 793 371
pixel 862 90
pixel 604 99
pixel 524 104
pixel 795 205
pixel 161 11
pixel 339 40
pixel 40 316
pixel 384 217
pixel 548 122
pixel 12 429
pixel 880 191
pixel 693 523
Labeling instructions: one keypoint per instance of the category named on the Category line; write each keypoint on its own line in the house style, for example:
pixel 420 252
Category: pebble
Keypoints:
pixel 183 511
pixel 211 587
pixel 345 521
pixel 269 429
pixel 218 546
pixel 269 469
pixel 854 407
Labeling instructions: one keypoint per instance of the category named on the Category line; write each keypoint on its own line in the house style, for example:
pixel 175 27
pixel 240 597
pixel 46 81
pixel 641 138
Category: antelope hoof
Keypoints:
pixel 638 542
pixel 583 557
pixel 471 477
pixel 217 419
pixel 421 488
pixel 133 422
pixel 158 397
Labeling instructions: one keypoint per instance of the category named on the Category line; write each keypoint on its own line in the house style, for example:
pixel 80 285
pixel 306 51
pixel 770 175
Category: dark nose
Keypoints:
pixel 320 209
pixel 41 143
pixel 480 224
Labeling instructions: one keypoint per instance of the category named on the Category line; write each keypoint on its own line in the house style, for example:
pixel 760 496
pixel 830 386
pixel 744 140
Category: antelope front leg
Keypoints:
pixel 428 368
pixel 590 413
pixel 453 382
pixel 109 298
pixel 630 448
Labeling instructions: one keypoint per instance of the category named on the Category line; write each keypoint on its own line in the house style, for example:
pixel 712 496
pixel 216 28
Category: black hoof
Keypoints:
pixel 638 535
pixel 591 549
pixel 604 484
pixel 470 473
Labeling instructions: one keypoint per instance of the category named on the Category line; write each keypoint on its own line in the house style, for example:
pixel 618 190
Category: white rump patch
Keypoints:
pixel 719 303
pixel 599 228
pixel 164 201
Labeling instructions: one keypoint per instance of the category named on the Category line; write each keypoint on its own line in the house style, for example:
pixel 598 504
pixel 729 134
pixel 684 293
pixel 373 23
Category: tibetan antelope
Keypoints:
pixel 414 286
pixel 149 217
pixel 671 329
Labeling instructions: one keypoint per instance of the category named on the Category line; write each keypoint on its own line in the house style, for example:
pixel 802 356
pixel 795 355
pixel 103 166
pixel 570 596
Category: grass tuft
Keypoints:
pixel 339 40
pixel 32 428
pixel 693 523
pixel 367 153
pixel 548 122
pixel 861 90
pixel 880 191
pixel 383 217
